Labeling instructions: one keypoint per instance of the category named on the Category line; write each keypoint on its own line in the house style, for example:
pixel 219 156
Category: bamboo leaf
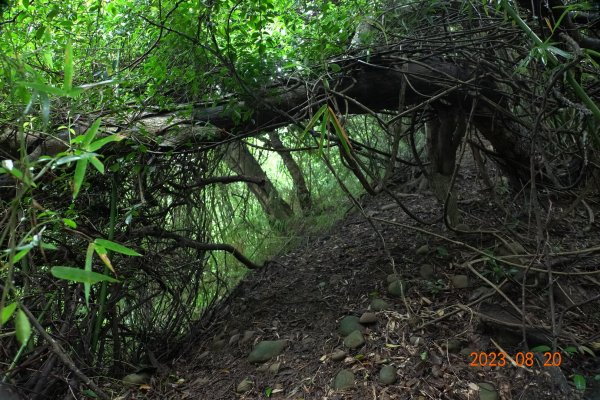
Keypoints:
pixel 100 143
pixel 116 247
pixel 22 327
pixel 68 83
pixel 80 275
pixel 90 134
pixel 97 164
pixel 7 312
pixel 79 176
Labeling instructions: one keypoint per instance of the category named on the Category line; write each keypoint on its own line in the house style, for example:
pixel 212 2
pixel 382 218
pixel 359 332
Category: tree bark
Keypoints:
pixel 239 159
pixel 300 187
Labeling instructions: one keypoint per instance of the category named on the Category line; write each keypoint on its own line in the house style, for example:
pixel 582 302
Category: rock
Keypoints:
pixel 217 344
pixel 487 391
pixel 338 355
pixel 343 380
pixel 247 336
pixel 354 340
pixel 266 350
pixel 426 271
pixel 390 206
pixel 460 281
pixel 349 324
pixel 234 339
pixel 136 379
pixel 387 375
pixel 368 318
pixel 396 288
pixel 415 340
pixel 393 277
pixel 244 386
pixel 467 351
pixel 262 368
pixel 453 345
pixel 462 228
pixel 379 305
pixel 423 250
pixel 274 368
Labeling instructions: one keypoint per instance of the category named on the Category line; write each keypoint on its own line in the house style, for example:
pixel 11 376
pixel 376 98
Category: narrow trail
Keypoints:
pixel 300 301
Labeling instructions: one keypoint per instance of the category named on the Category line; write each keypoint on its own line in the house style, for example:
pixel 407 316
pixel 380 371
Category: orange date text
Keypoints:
pixel 521 359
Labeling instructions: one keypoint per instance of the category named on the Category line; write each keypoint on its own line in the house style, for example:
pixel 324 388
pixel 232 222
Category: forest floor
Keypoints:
pixel 452 333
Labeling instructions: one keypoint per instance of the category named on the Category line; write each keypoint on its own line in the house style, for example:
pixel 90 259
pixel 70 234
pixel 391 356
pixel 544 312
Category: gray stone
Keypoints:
pixel 266 350
pixel 426 271
pixel 368 318
pixel 393 277
pixel 350 323
pixel 247 336
pixel 244 386
pixel 343 380
pixel 487 391
pixel 415 340
pixel 234 339
pixel 462 228
pixel 338 355
pixel 453 345
pixel 218 344
pixel 274 368
pixel 387 375
pixel 135 379
pixel 460 281
pixel 354 340
pixel 379 305
pixel 423 250
pixel 396 288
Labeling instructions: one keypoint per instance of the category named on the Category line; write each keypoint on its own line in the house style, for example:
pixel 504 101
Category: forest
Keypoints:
pixel 299 199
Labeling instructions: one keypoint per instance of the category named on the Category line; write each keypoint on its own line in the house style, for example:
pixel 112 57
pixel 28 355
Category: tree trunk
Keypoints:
pixel 444 133
pixel 239 159
pixel 300 188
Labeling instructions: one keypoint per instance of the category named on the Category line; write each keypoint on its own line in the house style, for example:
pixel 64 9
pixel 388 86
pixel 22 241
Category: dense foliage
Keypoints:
pixel 140 177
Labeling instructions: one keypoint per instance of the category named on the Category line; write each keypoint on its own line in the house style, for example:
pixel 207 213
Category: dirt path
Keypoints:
pixel 416 347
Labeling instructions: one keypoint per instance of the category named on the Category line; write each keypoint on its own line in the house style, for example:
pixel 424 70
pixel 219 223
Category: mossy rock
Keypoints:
pixel 354 340
pixel 266 350
pixel 344 380
pixel 349 324
pixel 379 305
pixel 396 288
pixel 387 375
pixel 487 391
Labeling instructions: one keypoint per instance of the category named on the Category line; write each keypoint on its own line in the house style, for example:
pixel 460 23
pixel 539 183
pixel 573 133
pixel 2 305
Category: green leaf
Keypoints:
pixel 100 143
pixel 79 175
pixel 579 382
pixel 21 254
pixel 40 32
pixel 43 88
pixel 68 83
pixel 75 157
pixel 7 312
pixel 69 222
pixel 67 159
pixel 80 275
pixel 97 164
pixel 45 103
pixel 90 134
pixel 22 327
pixel 335 68
pixel 48 246
pixel 88 268
pixel 571 350
pixel 116 247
